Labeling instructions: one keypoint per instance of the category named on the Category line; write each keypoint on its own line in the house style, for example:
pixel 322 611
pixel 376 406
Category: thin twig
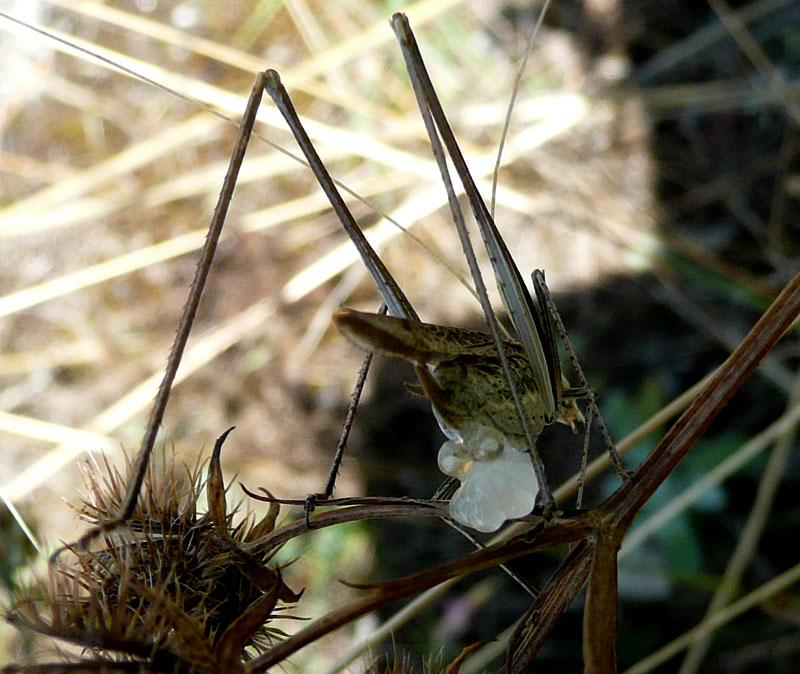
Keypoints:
pixel 748 538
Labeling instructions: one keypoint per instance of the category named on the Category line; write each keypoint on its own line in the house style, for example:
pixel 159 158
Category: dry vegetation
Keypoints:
pixel 108 185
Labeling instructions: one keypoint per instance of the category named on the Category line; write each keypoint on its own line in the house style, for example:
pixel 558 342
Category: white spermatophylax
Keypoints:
pixel 498 482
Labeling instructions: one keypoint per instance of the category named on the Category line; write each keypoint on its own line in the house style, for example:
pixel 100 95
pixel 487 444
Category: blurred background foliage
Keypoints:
pixel 652 172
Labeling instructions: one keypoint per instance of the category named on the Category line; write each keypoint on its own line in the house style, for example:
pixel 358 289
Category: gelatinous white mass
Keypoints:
pixel 497 479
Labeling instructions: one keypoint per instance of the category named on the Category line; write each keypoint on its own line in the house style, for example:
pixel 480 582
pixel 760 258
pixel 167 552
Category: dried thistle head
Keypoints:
pixel 400 663
pixel 171 590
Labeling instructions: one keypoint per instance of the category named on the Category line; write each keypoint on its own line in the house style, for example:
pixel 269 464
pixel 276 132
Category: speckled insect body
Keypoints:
pixel 463 377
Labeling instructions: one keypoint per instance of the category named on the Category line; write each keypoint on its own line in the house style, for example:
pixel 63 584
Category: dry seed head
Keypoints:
pixel 400 662
pixel 171 589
